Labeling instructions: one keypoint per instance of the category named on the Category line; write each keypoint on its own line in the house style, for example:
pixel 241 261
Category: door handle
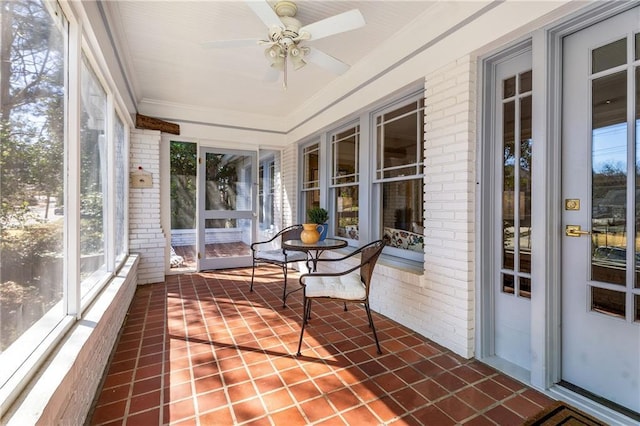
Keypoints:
pixel 575 231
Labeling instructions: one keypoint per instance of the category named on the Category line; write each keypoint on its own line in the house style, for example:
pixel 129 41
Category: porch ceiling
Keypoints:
pixel 159 44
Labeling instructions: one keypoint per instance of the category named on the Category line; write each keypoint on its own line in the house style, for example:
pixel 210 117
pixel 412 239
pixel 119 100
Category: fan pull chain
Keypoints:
pixel 284 82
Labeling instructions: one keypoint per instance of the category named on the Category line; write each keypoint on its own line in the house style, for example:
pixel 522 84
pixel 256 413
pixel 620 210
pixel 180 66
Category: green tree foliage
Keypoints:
pixel 31 106
pixel 183 164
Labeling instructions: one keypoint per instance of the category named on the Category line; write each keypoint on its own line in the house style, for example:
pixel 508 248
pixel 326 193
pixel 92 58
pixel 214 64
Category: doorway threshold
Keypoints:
pixel 507 367
pixel 594 405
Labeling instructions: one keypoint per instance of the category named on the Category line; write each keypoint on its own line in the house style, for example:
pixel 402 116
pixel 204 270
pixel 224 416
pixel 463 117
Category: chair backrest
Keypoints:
pixel 291 233
pixel 369 256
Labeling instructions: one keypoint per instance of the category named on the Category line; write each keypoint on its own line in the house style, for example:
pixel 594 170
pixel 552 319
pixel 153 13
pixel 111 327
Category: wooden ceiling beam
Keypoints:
pixel 150 123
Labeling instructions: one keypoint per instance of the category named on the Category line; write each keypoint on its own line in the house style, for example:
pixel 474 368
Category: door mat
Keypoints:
pixel 562 414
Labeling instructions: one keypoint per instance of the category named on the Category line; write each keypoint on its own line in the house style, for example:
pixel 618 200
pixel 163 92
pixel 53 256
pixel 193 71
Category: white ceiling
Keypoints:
pixel 159 44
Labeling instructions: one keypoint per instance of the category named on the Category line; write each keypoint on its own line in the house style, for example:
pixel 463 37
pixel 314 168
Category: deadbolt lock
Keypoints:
pixel 572 204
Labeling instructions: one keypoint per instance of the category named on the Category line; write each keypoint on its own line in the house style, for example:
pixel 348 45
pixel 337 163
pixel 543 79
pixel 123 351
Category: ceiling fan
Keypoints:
pixel 286 35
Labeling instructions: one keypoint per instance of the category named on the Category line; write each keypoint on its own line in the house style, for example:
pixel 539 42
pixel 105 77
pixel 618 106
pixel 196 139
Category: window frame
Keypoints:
pixel 333 186
pixel 23 357
pixel 378 182
pixel 369 194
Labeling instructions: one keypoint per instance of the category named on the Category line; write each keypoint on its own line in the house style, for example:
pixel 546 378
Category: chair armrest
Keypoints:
pixel 328 274
pixel 257 243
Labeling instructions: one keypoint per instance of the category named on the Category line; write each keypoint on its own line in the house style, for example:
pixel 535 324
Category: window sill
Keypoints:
pixel 411 271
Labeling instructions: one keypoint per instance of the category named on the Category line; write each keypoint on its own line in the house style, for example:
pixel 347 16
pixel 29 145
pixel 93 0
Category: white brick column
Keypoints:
pixel 450 150
pixel 146 236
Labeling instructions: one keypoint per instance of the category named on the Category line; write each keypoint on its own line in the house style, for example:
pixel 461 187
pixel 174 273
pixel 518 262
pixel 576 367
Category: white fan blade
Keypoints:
pixel 222 44
pixel 265 12
pixel 326 61
pixel 346 21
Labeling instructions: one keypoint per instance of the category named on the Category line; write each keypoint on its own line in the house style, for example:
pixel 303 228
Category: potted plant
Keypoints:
pixel 319 216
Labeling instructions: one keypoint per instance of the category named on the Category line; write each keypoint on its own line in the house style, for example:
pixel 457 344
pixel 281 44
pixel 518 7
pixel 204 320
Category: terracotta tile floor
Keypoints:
pixel 201 350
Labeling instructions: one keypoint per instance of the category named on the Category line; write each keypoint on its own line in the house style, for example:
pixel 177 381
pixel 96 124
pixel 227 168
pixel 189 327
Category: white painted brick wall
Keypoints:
pixel 448 284
pixel 146 236
pixel 440 303
pixel 62 392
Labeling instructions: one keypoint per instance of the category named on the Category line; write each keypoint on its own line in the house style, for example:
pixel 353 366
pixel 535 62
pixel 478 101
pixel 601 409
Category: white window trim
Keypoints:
pixel 367 171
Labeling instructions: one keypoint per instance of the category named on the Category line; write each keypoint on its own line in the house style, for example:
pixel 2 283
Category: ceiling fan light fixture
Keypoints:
pixel 285 33
pixel 297 62
pixel 274 53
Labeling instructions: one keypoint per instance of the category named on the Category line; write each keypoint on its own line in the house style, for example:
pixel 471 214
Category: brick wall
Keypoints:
pixel 62 391
pixel 146 236
pixel 450 112
pixel 440 303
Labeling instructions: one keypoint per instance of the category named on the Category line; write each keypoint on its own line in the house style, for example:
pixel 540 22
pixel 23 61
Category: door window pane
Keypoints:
pixel 508 185
pixel 228 182
pixel 183 162
pixel 524 184
pixel 517 144
pixel 608 302
pixel 609 56
pixel 525 82
pixel 509 88
pixel 609 179
pixel 267 225
pixel 31 171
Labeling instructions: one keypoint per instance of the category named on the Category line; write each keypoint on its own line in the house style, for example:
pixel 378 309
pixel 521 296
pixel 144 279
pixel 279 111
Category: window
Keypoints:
pixel 399 138
pixel 93 177
pixel 374 177
pixel 345 148
pixel 31 169
pixel 63 190
pixel 266 193
pixel 121 188
pixel 311 177
pixel 516 184
pixel 183 163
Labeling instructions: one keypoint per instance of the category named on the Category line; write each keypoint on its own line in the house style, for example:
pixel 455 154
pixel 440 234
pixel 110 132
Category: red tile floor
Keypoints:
pixel 201 349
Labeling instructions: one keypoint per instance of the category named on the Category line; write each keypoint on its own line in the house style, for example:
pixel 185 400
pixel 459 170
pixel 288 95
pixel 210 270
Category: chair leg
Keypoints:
pixel 308 317
pixel 375 335
pixel 305 308
pixel 284 292
pixel 253 273
pixel 345 307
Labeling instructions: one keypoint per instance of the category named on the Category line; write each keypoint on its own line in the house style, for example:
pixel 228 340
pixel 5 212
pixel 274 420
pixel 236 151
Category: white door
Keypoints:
pixel 227 194
pixel 512 289
pixel 601 194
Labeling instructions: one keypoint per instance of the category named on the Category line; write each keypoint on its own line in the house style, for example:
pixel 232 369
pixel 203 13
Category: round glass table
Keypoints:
pixel 314 250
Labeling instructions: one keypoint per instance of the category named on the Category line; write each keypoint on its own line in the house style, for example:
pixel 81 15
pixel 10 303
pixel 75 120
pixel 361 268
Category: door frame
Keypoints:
pixel 546 43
